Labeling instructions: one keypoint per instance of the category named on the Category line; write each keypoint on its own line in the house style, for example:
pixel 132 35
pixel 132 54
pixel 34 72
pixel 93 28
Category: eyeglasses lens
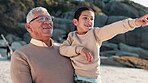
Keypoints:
pixel 42 19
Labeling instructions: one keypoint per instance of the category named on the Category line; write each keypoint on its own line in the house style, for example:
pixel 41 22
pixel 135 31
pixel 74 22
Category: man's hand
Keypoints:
pixel 142 21
pixel 87 54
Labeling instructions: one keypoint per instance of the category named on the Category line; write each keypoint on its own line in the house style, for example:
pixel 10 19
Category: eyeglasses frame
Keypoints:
pixel 40 16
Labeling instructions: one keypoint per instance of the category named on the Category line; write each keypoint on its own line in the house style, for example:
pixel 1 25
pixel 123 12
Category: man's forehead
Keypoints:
pixel 42 13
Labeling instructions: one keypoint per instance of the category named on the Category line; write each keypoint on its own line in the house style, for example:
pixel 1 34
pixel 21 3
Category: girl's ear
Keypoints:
pixel 75 22
pixel 28 28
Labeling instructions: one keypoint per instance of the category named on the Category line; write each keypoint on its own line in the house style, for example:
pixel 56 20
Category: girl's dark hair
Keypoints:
pixel 80 10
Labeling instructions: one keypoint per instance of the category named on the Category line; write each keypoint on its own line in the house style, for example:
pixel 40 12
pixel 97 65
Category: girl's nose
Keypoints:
pixel 88 20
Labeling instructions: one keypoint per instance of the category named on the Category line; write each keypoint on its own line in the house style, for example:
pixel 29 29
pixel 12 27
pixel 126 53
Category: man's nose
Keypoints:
pixel 48 22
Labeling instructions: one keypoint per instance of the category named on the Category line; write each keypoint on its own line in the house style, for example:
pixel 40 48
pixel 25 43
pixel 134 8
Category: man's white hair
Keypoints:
pixel 30 15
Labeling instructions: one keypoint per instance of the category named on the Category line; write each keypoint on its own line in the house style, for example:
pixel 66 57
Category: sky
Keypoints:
pixel 142 2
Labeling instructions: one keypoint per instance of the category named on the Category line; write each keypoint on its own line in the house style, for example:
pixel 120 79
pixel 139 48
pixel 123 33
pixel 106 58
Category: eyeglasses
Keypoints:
pixel 43 18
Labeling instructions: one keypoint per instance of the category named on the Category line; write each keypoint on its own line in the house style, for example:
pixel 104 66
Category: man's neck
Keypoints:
pixel 48 42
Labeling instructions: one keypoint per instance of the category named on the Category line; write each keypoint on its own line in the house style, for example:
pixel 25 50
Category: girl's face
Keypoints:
pixel 85 22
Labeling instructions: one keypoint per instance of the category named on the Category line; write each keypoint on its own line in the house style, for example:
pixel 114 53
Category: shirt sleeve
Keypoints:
pixel 20 70
pixel 69 50
pixel 109 31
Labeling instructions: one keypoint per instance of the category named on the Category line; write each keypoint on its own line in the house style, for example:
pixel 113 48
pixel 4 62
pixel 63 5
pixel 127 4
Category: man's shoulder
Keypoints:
pixel 56 44
pixel 21 51
pixel 24 48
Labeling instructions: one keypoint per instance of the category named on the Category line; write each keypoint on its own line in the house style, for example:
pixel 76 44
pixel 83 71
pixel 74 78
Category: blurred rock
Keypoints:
pixel 2 43
pixel 100 20
pixel 17 44
pixel 63 24
pixel 134 62
pixel 123 53
pixel 137 50
pixel 58 35
pixel 99 3
pixel 3 52
pixel 108 46
pixel 68 15
pixel 27 37
pixel 117 8
pixel 11 38
pixel 111 61
pixel 112 19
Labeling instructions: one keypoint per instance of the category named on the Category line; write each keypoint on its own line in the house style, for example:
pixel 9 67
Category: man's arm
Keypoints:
pixel 20 70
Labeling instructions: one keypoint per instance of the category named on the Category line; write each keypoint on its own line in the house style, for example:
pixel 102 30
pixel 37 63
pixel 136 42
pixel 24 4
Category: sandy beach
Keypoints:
pixel 112 74
pixel 4 70
pixel 109 74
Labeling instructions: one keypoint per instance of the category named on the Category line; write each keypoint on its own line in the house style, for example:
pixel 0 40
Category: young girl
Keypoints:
pixel 83 45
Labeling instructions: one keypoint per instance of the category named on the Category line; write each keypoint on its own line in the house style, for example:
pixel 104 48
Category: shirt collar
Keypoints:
pixel 40 43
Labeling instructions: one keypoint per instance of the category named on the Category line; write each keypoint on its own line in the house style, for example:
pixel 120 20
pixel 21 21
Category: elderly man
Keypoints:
pixel 39 61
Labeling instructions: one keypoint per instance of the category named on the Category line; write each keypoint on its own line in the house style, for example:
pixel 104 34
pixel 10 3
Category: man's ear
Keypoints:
pixel 75 21
pixel 28 28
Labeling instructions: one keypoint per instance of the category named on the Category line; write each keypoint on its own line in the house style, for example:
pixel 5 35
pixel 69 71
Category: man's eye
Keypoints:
pixel 41 19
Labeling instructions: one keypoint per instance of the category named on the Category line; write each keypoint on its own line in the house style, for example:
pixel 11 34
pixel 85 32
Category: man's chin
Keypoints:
pixel 48 35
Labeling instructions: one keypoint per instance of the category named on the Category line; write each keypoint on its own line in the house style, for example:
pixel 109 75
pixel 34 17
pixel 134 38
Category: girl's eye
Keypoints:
pixel 92 19
pixel 85 18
